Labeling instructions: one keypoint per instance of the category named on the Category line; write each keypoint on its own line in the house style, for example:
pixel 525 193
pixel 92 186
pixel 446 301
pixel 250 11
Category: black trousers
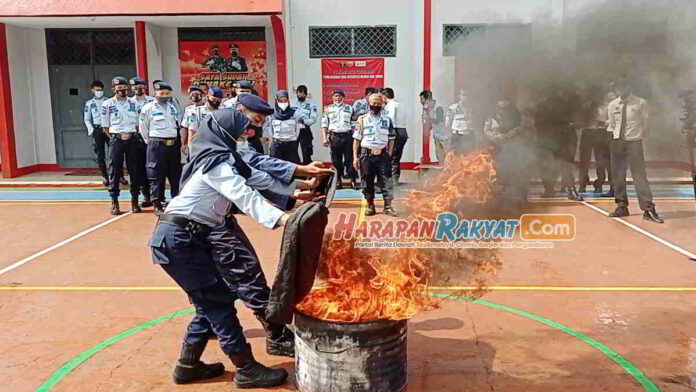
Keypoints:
pixel 376 167
pixel 120 151
pixel 399 144
pixel 624 155
pixel 306 140
pixel 100 143
pixel 463 144
pixel 557 156
pixel 286 151
pixel 141 162
pixel 597 140
pixel 163 163
pixel 342 154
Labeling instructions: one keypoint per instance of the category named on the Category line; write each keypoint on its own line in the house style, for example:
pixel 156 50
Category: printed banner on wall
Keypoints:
pixel 352 76
pixel 221 63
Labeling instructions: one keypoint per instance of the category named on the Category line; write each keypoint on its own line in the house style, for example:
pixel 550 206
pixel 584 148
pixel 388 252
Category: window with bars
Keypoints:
pixel 357 41
pixel 453 34
pixel 85 47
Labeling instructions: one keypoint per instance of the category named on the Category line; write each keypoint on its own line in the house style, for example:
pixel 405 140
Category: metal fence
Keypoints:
pixel 357 41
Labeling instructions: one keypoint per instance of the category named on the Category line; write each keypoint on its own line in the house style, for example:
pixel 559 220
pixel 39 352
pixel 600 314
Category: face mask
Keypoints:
pixel 98 94
pixel 214 104
pixel 375 109
pixel 197 98
pixel 257 130
pixel 164 100
pixel 122 93
pixel 233 93
pixel 139 91
pixel 283 105
pixel 301 99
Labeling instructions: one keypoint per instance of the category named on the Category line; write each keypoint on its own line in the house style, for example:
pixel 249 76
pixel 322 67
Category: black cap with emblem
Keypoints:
pixel 119 81
pixel 255 104
pixel 163 86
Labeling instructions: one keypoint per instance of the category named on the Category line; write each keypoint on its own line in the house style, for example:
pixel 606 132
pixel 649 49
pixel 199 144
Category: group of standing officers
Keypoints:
pixel 613 125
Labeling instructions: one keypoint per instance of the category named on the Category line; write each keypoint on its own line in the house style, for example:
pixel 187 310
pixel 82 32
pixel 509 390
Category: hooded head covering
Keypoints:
pixel 215 142
pixel 280 114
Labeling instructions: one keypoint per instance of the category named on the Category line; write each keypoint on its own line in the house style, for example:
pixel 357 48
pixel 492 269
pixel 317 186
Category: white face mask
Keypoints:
pixel 283 105
pixel 99 94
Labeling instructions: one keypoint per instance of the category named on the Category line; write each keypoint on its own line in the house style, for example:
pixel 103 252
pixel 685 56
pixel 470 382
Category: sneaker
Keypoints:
pixel 651 215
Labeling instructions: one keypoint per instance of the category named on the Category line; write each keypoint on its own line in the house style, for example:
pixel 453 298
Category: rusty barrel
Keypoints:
pixel 350 357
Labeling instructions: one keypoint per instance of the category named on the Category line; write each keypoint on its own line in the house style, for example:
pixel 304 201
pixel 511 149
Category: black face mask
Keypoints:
pixel 139 91
pixel 233 93
pixel 301 99
pixel 375 109
pixel 214 104
pixel 258 131
pixel 197 98
pixel 122 93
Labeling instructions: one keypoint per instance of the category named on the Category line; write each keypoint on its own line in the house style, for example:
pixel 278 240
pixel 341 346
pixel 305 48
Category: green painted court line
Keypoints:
pixel 85 355
pixel 627 366
pixel 631 369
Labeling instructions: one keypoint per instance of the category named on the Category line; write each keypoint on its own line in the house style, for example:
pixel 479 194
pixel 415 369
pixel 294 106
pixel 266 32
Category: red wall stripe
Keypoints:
pixel 7 136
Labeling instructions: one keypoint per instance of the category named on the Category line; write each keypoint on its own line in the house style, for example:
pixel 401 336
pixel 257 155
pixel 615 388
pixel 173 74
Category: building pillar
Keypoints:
pixel 281 64
pixel 141 49
pixel 7 135
pixel 427 60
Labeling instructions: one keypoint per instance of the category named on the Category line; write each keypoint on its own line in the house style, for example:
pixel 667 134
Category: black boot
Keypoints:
pixel 573 194
pixel 280 340
pixel 651 215
pixel 619 212
pixel 354 184
pixel 147 202
pixel 371 209
pixel 251 374
pixel 388 209
pixel 135 208
pixel 115 209
pixel 189 367
pixel 158 208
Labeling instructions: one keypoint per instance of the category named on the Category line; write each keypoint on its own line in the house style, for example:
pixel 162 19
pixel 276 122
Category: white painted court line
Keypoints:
pixel 58 245
pixel 644 232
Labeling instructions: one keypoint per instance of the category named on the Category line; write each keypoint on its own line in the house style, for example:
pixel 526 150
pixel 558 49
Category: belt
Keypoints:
pixel 166 141
pixel 283 141
pixel 462 132
pixel 123 136
pixel 189 225
pixel 372 151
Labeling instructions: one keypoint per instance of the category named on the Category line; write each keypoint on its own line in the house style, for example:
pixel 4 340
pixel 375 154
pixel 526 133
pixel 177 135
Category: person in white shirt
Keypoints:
pixel 433 118
pixel 119 118
pixel 141 99
pixel 93 122
pixel 336 131
pixel 459 120
pixel 159 126
pixel 628 125
pixel 397 113
pixel 200 113
pixel 310 113
pixel 284 129
pixel 372 148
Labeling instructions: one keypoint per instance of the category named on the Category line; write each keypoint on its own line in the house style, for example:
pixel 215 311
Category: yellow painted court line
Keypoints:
pixel 446 288
pixel 363 207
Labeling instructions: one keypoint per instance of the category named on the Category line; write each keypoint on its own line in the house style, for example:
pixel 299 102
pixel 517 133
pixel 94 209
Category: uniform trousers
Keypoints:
pixel 99 143
pixel 376 167
pixel 285 150
pixel 306 140
pixel 163 162
pixel 119 151
pixel 399 144
pixel 627 154
pixel 342 153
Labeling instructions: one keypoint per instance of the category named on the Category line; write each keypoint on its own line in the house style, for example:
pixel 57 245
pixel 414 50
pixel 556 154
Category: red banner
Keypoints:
pixel 221 63
pixel 352 76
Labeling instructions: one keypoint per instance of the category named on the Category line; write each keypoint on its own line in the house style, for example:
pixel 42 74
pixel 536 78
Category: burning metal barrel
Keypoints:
pixel 349 357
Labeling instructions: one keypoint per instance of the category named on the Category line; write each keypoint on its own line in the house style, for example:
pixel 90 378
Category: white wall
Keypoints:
pixel 403 73
pixel 31 96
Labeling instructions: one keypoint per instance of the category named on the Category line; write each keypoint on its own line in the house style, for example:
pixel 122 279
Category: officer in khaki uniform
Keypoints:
pixel 119 117
pixel 159 126
pixel 372 148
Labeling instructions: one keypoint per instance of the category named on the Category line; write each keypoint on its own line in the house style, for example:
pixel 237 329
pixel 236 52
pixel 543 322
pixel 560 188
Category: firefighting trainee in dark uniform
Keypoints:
pixel 557 143
pixel 372 148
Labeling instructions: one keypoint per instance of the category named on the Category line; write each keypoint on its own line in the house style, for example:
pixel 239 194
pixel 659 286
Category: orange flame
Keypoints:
pixel 373 284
